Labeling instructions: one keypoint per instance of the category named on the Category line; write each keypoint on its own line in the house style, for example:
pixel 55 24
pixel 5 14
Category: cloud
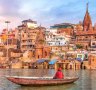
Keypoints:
pixel 9 7
pixel 45 12
pixel 59 13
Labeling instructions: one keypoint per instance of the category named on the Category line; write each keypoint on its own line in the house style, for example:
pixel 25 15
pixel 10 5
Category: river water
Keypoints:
pixel 87 79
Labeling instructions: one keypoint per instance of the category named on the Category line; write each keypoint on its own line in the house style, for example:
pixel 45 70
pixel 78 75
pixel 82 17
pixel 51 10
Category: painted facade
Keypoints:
pixel 57 39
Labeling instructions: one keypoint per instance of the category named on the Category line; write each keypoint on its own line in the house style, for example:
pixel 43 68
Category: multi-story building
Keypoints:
pixel 27 33
pixel 53 39
pixel 33 39
pixel 57 43
pixel 8 39
pixel 65 28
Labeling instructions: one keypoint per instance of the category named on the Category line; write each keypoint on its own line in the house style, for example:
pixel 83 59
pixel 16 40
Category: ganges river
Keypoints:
pixel 86 81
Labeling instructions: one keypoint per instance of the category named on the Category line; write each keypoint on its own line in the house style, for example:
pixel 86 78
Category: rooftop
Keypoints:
pixel 62 25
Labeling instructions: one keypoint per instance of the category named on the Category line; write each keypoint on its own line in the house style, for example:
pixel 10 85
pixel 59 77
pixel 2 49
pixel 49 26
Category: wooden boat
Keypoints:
pixel 40 81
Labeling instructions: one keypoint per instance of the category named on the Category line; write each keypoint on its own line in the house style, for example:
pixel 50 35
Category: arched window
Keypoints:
pixel 38 56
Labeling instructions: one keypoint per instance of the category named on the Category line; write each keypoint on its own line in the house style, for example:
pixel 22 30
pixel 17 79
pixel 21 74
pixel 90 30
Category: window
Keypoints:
pixel 45 53
pixel 50 36
pixel 38 56
pixel 93 43
pixel 28 35
pixel 86 37
pixel 23 35
pixel 79 56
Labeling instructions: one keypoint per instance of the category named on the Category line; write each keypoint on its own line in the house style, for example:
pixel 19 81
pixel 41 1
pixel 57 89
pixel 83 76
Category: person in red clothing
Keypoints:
pixel 59 74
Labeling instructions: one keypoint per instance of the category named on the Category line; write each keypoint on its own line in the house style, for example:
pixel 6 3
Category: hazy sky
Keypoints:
pixel 45 12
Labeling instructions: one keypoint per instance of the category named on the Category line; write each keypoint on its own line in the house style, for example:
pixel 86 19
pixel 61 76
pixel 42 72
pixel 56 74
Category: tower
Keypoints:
pixel 87 23
pixel 39 44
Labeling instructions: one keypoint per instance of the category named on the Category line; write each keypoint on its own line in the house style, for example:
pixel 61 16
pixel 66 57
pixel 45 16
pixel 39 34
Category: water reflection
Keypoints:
pixel 60 87
pixel 87 79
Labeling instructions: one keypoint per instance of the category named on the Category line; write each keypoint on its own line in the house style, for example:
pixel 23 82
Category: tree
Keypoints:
pixel 79 46
pixel 41 41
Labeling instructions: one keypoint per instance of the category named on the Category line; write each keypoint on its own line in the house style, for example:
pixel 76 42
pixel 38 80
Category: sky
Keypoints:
pixel 45 12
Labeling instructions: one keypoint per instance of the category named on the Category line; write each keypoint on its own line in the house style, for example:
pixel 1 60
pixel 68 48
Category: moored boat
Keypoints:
pixel 40 81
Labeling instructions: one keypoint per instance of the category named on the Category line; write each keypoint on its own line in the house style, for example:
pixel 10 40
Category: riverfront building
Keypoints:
pixel 59 42
pixel 32 38
pixel 54 39
pixel 63 28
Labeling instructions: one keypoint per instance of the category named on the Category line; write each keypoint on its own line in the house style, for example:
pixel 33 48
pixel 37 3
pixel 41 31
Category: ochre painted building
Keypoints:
pixel 41 50
pixel 92 61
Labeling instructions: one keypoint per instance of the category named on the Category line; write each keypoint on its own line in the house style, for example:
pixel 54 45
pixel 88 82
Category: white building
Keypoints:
pixel 30 24
pixel 52 30
pixel 53 39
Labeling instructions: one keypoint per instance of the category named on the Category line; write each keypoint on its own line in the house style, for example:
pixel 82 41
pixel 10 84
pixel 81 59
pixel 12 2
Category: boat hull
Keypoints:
pixel 41 81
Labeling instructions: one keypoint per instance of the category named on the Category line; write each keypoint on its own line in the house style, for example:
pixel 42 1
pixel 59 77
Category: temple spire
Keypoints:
pixel 87 23
pixel 87 7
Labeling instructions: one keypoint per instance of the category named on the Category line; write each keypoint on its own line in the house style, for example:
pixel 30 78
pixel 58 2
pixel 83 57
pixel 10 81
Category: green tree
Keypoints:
pixel 79 46
pixel 41 41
